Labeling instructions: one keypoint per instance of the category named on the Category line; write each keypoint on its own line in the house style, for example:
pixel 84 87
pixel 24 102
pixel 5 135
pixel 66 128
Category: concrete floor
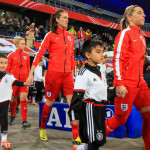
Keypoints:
pixel 58 140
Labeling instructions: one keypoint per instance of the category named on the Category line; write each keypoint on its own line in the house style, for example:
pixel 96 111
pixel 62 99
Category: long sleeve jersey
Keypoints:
pixel 90 84
pixel 61 51
pixel 129 55
pixel 19 65
pixel 7 80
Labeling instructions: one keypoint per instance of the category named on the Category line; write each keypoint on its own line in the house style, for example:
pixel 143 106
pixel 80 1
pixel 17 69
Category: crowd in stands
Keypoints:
pixel 81 36
pixel 12 27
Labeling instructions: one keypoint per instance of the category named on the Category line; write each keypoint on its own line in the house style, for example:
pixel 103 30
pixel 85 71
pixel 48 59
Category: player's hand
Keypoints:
pixel 121 91
pixel 30 79
pixel 26 83
pixel 75 122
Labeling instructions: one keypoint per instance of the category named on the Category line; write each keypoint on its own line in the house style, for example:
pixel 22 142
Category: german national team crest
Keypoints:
pixel 99 136
pixel 6 80
pixel 124 107
pixel 69 38
pixel 49 94
pixel 25 57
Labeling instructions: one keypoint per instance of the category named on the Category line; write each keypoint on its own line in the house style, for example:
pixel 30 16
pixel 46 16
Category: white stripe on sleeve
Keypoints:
pixel 118 53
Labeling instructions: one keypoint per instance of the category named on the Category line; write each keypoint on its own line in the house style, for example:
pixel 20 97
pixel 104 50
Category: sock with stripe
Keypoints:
pixel 24 110
pixel 114 122
pixel 45 114
pixel 13 108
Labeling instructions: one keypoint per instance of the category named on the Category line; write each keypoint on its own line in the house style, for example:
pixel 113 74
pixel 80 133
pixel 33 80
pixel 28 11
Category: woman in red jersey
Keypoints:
pixel 129 55
pixel 60 45
pixel 19 66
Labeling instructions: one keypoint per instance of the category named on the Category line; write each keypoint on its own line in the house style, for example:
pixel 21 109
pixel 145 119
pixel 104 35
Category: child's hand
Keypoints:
pixel 26 83
pixel 75 122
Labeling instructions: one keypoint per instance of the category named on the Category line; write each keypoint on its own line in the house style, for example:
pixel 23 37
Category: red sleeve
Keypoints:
pixel 28 65
pixel 42 50
pixel 72 54
pixel 121 46
pixel 9 65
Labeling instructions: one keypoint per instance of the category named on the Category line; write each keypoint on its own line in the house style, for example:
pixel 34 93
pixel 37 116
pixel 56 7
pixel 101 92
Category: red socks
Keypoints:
pixel 45 114
pixel 146 129
pixel 13 108
pixel 24 110
pixel 75 131
pixel 114 122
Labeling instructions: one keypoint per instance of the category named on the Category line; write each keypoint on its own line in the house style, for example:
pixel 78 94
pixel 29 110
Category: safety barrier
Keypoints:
pixel 58 119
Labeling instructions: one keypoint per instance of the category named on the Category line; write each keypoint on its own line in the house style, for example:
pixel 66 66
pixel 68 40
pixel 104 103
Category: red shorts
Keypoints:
pixel 17 90
pixel 57 81
pixel 140 97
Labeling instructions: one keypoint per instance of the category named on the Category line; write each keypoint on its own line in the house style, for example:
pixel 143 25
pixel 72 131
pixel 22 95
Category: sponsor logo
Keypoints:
pixel 99 136
pixel 69 38
pixel 124 107
pixel 134 40
pixel 49 94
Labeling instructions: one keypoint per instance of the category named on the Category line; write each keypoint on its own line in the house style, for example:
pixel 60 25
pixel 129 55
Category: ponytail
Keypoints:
pixel 128 12
pixel 53 22
pixel 124 23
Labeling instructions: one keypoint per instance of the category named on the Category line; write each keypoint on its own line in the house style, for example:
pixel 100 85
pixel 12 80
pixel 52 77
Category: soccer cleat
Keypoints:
pixel 75 147
pixel 25 125
pixel 17 110
pixel 12 120
pixel 34 103
pixel 6 144
pixel 77 141
pixel 29 100
pixel 43 136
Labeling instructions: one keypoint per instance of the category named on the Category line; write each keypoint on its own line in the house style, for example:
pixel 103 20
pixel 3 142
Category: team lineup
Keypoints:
pixel 87 95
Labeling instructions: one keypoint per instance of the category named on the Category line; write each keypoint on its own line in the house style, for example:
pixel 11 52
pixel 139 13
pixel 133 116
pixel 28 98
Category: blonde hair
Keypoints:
pixel 17 39
pixel 128 12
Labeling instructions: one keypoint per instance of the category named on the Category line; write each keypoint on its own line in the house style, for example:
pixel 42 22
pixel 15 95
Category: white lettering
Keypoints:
pixel 67 125
pixel 55 119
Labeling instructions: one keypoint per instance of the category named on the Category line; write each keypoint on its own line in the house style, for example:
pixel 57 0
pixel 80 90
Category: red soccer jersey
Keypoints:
pixel 129 56
pixel 19 65
pixel 61 51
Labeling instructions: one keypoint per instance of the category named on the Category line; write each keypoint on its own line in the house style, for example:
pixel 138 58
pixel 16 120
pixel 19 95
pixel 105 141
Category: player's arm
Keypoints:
pixel 72 55
pixel 44 46
pixel 121 47
pixel 19 83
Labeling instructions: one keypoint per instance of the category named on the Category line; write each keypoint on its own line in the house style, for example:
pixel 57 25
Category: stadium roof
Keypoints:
pixel 118 6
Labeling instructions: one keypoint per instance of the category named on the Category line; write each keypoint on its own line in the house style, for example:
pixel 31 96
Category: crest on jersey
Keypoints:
pixel 99 136
pixel 6 80
pixel 124 107
pixel 69 38
pixel 49 94
pixel 25 57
